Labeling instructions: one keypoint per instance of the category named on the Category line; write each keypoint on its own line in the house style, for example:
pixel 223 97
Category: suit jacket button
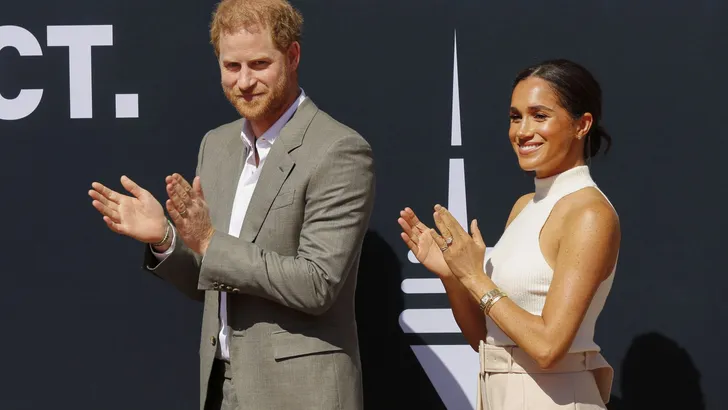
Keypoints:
pixel 213 340
pixel 236 290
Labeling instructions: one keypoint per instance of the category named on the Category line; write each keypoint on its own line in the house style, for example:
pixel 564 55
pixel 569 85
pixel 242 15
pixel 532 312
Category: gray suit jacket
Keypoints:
pixel 291 275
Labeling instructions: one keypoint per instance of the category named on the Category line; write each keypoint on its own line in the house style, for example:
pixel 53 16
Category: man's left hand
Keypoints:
pixel 189 212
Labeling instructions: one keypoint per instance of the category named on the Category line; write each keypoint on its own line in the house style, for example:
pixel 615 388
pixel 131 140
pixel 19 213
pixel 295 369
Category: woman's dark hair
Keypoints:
pixel 578 92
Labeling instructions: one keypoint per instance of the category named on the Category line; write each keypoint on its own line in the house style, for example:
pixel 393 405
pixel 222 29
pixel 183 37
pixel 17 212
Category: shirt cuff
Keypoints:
pixel 161 256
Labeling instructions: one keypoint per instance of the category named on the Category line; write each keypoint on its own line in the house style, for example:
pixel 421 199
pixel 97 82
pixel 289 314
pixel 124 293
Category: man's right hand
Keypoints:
pixel 139 216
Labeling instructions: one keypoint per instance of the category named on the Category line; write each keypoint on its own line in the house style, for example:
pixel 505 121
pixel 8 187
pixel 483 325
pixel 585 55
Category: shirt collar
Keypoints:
pixel 269 137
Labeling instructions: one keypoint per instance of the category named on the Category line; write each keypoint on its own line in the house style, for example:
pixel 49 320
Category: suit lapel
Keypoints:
pixel 231 168
pixel 276 169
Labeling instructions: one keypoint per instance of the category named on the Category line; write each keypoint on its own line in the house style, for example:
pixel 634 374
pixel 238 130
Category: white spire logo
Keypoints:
pixel 452 369
pixel 456 202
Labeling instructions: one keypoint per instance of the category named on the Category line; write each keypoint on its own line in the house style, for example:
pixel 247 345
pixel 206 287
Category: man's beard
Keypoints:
pixel 262 106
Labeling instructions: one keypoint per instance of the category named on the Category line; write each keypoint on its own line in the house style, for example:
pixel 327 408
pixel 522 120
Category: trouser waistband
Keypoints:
pixel 512 359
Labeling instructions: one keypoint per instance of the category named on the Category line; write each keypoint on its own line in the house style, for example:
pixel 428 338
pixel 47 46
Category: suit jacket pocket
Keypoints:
pixel 283 199
pixel 288 345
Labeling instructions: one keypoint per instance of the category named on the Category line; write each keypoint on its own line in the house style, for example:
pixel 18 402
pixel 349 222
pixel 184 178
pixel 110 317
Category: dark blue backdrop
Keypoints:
pixel 84 328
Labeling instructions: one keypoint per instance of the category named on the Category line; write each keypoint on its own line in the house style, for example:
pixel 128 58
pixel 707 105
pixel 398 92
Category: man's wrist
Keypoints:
pixel 206 242
pixel 164 242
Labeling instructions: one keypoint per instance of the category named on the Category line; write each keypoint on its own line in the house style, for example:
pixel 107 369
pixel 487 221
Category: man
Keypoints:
pixel 272 244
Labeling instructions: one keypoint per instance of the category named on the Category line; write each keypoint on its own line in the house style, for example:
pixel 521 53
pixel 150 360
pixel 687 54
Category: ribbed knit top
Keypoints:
pixel 518 267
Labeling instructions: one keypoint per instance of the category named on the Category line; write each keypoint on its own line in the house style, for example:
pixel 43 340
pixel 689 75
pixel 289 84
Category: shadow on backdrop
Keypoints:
pixel 392 376
pixel 658 374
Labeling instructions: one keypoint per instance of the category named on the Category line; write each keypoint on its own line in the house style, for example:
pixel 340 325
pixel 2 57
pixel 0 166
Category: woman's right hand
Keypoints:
pixel 418 238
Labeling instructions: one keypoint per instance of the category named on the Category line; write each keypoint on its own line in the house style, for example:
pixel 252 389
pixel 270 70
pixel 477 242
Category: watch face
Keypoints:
pixel 484 301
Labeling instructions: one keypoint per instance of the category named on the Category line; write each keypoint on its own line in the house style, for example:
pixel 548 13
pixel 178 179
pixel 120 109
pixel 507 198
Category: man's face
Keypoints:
pixel 255 74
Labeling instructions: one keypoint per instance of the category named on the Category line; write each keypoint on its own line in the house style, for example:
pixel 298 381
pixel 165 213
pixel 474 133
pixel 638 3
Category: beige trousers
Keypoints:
pixel 510 380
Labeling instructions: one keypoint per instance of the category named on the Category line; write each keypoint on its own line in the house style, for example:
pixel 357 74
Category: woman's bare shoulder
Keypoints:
pixel 518 206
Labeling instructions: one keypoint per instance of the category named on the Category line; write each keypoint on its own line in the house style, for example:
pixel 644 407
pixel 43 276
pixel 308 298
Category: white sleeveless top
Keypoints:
pixel 517 266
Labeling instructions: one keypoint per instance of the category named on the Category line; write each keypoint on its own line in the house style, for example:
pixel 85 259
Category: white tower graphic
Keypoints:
pixel 452 369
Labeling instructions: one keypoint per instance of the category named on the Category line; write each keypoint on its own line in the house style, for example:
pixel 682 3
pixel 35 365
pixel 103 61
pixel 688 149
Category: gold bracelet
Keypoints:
pixel 487 299
pixel 166 235
pixel 492 302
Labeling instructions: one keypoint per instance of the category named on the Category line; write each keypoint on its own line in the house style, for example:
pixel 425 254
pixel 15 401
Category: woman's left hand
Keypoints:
pixel 463 254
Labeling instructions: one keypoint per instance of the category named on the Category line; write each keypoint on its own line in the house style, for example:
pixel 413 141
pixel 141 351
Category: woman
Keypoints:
pixel 530 307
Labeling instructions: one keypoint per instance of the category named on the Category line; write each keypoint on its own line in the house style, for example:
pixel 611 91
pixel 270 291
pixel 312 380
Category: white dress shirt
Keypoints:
pixel 243 195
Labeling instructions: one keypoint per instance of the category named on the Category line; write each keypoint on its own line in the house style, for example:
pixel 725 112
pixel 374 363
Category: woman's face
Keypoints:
pixel 543 134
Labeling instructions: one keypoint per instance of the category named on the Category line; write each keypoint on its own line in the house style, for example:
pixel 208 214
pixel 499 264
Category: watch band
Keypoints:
pixel 492 296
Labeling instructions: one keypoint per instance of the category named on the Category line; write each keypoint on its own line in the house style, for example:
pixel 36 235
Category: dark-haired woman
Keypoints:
pixel 531 305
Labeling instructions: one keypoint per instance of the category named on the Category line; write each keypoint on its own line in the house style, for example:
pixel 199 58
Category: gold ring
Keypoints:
pixel 448 241
pixel 444 248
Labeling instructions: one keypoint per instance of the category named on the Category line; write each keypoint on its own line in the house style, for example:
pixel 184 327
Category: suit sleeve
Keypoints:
pixel 181 267
pixel 338 205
